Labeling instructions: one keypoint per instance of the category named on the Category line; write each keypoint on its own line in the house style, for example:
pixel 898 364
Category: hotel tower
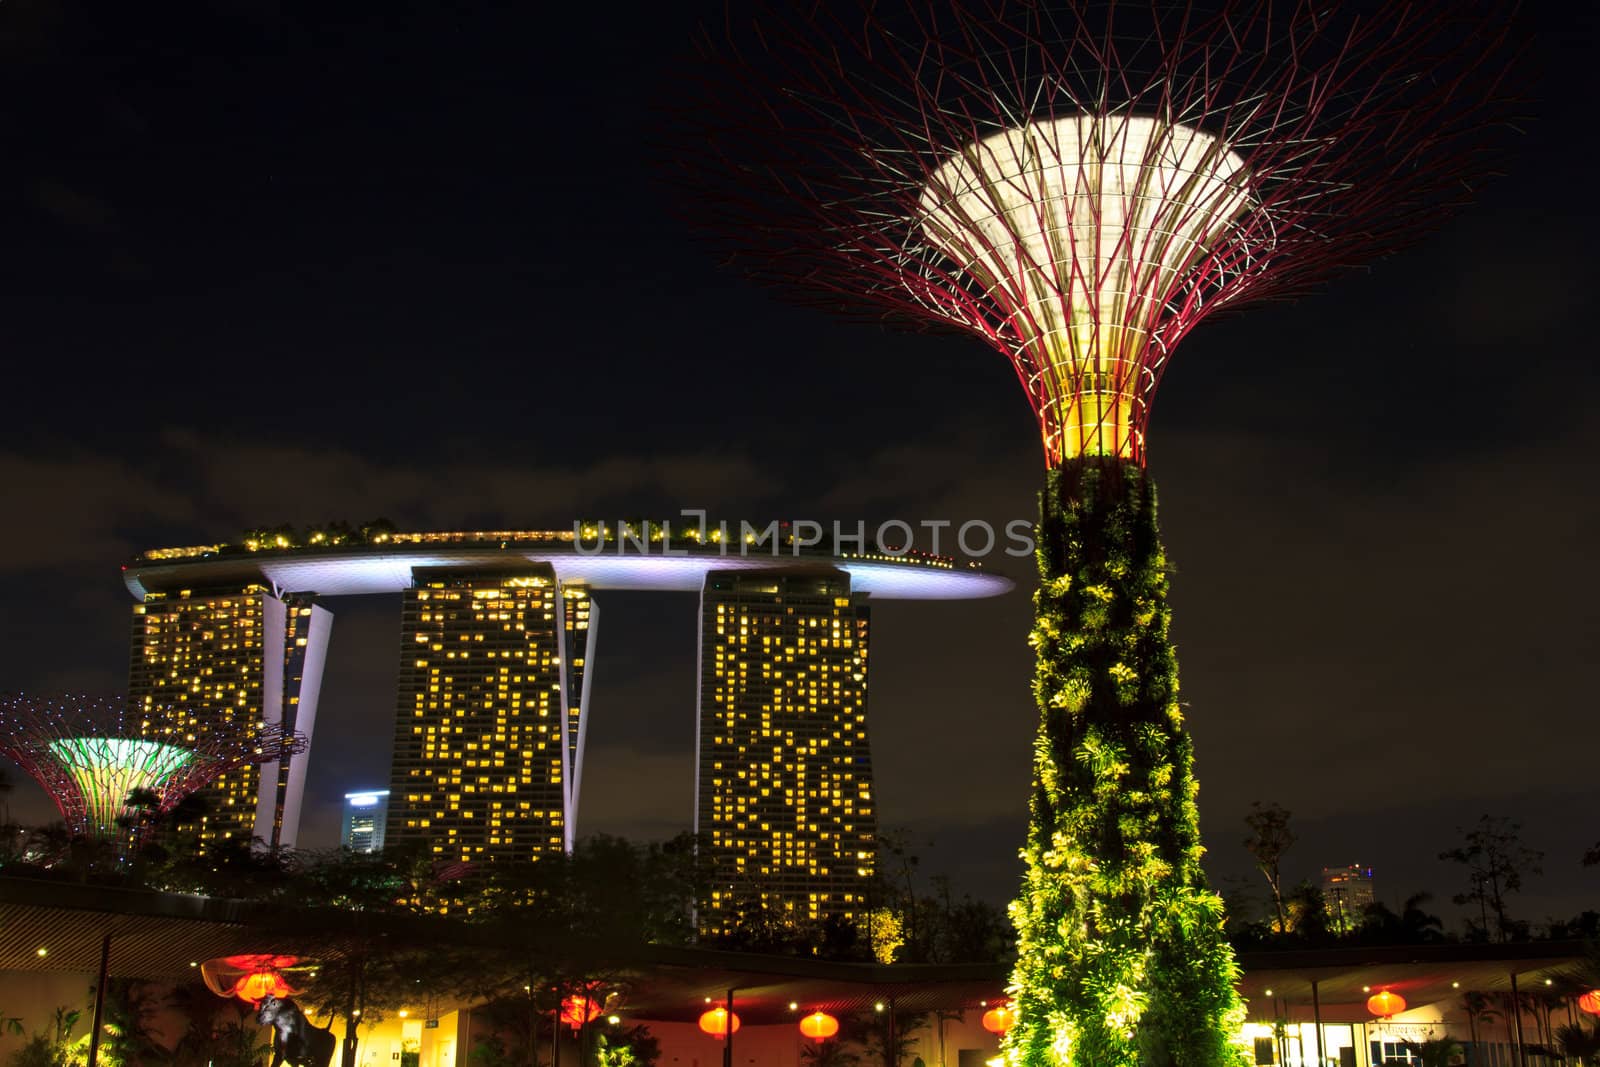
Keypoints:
pixel 202 659
pixel 784 804
pixel 490 721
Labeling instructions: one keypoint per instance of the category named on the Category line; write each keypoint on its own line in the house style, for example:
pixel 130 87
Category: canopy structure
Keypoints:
pixel 89 754
pixel 1082 231
pixel 1081 184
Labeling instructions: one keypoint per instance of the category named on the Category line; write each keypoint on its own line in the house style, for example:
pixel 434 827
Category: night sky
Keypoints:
pixel 265 266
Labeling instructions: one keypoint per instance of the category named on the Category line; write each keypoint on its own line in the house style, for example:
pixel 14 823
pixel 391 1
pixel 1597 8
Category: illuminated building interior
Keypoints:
pixel 228 659
pixel 483 728
pixel 498 636
pixel 784 780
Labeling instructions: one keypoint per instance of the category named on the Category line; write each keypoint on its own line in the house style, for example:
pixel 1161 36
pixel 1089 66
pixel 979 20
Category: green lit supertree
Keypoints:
pixel 1079 185
pixel 88 755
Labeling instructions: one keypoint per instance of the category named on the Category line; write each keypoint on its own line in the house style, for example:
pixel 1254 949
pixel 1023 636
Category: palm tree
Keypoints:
pixel 1579 1042
pixel 1434 1052
pixel 830 1053
pixel 1479 1008
pixel 1541 1004
pixel 877 1028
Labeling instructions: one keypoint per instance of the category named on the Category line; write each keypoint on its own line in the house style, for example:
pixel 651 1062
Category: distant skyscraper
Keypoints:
pixel 365 815
pixel 1346 892
pixel 784 779
pixel 489 727
pixel 227 656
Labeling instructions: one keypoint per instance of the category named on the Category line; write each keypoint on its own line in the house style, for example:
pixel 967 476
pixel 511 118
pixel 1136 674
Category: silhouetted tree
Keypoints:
pixel 1270 837
pixel 1480 1008
pixel 833 1052
pixel 1381 925
pixel 874 1030
pixel 1496 861
pixel 1433 1052
pixel 1306 913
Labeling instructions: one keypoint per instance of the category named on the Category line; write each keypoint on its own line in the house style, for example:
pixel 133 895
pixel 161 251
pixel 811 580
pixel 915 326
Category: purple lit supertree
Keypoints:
pixel 89 754
pixel 1080 185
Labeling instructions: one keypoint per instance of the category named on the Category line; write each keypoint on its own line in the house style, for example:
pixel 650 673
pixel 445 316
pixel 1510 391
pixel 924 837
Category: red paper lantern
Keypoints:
pixel 998 1019
pixel 819 1026
pixel 716 1023
pixel 1590 1002
pixel 1385 1003
pixel 576 1010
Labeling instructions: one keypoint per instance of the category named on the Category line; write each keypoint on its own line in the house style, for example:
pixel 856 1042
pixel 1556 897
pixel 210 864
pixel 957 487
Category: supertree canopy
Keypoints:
pixel 1080 185
pixel 88 755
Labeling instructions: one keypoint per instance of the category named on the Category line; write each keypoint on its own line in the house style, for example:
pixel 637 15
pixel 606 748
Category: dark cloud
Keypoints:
pixel 73 206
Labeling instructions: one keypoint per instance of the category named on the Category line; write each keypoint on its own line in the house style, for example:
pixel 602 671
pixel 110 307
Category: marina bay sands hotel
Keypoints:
pixel 497 651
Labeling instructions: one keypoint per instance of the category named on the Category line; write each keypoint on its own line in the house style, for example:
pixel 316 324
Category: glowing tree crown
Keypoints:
pixel 88 755
pixel 1080 185
pixel 1080 232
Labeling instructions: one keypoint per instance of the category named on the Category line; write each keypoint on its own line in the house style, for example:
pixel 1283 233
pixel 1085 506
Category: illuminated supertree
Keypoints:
pixel 88 755
pixel 1080 186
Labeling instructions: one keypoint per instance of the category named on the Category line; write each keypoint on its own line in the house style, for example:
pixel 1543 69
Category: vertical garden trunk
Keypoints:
pixel 1121 957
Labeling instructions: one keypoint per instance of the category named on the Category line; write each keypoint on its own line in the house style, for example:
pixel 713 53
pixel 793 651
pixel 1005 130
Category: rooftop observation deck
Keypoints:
pixel 648 558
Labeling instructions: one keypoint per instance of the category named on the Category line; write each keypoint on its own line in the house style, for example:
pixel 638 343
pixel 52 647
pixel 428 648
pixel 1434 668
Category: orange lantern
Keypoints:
pixel 576 1010
pixel 998 1019
pixel 1590 1002
pixel 819 1026
pixel 716 1023
pixel 1385 1003
pixel 253 976
pixel 258 984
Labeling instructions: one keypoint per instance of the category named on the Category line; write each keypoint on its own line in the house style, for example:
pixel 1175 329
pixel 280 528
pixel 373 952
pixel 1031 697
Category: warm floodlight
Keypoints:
pixel 1081 231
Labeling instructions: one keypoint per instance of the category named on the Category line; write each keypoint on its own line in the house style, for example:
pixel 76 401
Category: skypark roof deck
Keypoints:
pixel 384 564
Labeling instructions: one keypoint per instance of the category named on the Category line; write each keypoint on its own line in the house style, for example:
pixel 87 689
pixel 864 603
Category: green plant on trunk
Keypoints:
pixel 1121 955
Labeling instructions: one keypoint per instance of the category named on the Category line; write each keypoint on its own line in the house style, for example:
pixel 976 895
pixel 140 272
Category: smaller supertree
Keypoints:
pixel 89 756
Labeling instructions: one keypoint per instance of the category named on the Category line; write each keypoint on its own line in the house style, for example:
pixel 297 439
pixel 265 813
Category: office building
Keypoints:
pixel 784 776
pixel 1346 893
pixel 365 816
